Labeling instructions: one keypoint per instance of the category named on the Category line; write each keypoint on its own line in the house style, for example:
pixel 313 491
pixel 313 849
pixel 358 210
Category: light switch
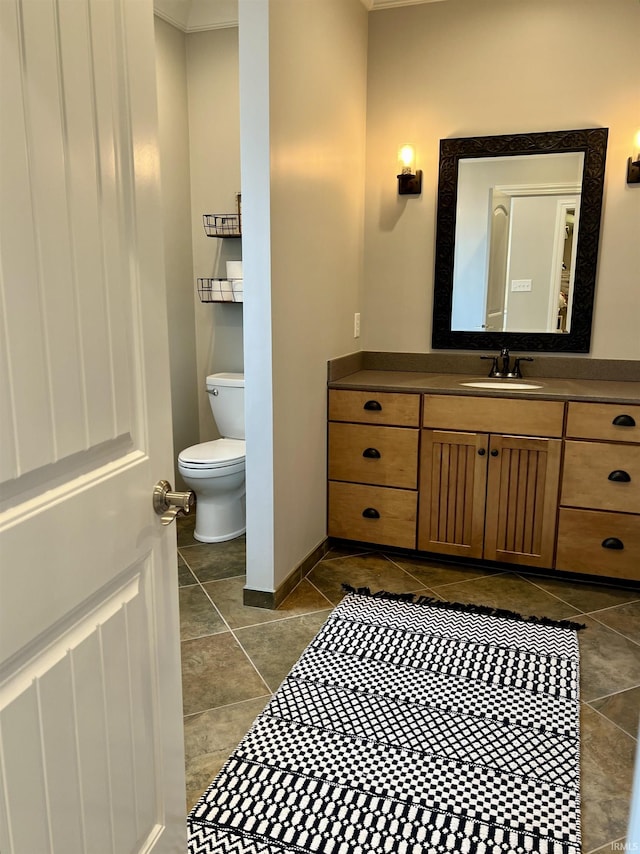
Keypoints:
pixel 520 284
pixel 356 325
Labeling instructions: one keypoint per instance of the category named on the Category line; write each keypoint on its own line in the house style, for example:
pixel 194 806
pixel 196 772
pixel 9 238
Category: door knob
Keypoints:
pixel 168 504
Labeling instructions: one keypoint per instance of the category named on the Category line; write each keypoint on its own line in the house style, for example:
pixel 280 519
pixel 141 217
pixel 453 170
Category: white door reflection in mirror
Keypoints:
pixel 534 262
pixel 511 221
pixel 498 252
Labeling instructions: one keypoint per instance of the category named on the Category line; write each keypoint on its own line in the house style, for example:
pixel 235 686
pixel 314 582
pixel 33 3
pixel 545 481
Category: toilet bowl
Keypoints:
pixel 215 470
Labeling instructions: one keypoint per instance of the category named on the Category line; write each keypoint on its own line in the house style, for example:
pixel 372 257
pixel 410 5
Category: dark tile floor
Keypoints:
pixel 234 657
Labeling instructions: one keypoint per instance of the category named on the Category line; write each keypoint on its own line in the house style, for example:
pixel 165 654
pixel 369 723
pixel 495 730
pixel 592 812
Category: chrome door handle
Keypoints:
pixel 168 504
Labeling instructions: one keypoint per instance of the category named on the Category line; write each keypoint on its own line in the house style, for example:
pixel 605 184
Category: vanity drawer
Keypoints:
pixel 369 407
pixel 373 514
pixel 602 476
pixel 585 538
pixel 596 421
pixel 493 415
pixel 387 456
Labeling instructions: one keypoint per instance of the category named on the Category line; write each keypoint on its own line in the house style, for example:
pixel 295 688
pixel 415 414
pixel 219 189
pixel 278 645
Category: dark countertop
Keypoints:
pixel 552 388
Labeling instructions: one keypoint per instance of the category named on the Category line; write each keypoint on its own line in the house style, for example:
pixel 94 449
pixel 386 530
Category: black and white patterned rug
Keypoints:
pixel 410 726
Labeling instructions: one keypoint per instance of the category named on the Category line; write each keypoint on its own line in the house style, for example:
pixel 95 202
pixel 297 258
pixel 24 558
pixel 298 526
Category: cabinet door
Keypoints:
pixel 522 499
pixel 452 492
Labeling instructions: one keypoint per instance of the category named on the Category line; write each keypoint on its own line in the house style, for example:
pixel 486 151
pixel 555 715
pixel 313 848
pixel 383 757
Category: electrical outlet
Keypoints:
pixel 356 325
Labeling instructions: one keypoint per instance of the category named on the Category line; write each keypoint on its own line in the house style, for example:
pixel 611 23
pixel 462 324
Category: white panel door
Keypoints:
pixel 498 252
pixel 91 745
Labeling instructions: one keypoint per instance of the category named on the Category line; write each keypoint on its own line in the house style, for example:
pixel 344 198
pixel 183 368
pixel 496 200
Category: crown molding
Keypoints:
pixel 193 16
pixel 373 5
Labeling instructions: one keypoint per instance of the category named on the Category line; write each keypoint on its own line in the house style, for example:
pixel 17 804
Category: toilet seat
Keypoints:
pixel 217 454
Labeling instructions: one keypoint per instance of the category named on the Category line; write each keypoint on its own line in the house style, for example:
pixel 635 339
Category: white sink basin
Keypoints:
pixel 505 385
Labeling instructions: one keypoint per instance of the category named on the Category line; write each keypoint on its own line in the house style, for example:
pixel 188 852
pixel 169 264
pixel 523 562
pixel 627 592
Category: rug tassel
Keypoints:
pixel 485 610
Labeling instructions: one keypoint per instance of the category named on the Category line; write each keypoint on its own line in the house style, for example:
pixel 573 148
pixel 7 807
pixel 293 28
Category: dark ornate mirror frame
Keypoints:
pixel 593 142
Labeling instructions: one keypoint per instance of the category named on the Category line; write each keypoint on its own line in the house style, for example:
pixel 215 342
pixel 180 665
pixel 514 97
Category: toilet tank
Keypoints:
pixel 226 396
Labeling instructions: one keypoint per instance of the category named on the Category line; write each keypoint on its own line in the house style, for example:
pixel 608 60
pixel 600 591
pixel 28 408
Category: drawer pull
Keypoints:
pixel 624 421
pixel 612 543
pixel 373 405
pixel 619 476
pixel 371 453
pixel 370 513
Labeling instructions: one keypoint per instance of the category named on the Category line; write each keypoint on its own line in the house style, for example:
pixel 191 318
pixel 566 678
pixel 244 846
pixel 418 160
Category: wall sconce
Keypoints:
pixel 633 163
pixel 409 178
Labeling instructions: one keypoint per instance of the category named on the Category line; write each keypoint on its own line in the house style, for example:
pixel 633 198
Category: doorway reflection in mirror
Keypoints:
pixel 516 218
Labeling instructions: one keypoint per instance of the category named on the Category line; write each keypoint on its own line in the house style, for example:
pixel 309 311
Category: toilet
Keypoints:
pixel 215 470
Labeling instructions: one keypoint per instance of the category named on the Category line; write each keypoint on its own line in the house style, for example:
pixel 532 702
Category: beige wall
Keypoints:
pixel 317 102
pixel 468 68
pixel 214 142
pixel 198 105
pixel 317 174
pixel 176 227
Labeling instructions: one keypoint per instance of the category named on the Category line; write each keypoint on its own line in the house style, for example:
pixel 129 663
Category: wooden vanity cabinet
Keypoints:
pixel 500 479
pixel 489 488
pixel 599 520
pixel 373 467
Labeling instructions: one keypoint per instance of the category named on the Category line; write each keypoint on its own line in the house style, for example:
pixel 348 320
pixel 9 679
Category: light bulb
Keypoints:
pixel 406 159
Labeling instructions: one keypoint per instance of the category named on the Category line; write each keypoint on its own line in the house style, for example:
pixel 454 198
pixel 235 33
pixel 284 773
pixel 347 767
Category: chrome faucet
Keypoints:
pixel 505 371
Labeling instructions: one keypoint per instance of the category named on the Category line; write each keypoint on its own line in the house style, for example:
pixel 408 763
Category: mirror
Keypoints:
pixel 518 224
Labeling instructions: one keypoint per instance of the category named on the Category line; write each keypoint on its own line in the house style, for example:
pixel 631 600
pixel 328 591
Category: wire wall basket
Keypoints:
pixel 222 225
pixel 221 290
